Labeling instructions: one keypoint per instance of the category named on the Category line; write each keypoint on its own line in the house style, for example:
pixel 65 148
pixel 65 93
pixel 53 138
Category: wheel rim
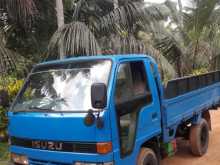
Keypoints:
pixel 204 136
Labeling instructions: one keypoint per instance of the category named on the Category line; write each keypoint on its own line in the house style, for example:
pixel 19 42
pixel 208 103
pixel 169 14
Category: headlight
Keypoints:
pixel 80 163
pixel 19 159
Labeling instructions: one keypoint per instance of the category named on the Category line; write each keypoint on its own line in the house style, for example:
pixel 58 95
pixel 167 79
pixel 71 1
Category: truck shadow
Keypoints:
pixel 183 153
pixel 184 149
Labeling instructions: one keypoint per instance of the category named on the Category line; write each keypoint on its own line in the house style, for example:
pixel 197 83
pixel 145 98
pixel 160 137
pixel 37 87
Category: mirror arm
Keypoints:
pixel 99 121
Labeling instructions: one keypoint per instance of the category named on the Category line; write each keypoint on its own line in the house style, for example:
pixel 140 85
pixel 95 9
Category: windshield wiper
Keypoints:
pixel 39 109
pixel 33 109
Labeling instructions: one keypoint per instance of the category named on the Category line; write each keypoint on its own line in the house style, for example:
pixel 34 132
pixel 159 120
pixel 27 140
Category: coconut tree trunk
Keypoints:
pixel 195 53
pixel 60 23
pixel 115 3
pixel 181 12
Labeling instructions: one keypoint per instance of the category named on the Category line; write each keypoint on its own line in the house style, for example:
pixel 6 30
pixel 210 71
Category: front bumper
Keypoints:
pixel 43 157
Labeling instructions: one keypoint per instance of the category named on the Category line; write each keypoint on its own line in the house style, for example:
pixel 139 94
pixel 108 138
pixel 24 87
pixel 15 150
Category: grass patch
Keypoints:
pixel 4 153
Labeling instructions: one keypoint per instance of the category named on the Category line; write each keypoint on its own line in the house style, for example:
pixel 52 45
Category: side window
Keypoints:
pixel 124 84
pixel 131 82
pixel 140 84
pixel 132 93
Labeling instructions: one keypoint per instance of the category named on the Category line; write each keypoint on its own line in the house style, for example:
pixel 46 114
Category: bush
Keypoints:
pixel 3 124
pixel 11 85
pixel 8 91
pixel 199 71
pixel 4 98
pixel 4 153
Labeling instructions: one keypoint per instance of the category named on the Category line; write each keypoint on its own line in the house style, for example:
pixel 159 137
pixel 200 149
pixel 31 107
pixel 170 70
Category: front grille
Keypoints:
pixel 40 162
pixel 79 147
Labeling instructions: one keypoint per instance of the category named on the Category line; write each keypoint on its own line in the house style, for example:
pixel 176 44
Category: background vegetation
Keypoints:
pixel 4 152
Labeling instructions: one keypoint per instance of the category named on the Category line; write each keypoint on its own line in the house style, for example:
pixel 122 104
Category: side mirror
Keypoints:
pixel 4 98
pixel 99 95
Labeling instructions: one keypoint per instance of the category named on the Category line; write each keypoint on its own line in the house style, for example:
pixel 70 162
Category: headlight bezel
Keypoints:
pixel 19 159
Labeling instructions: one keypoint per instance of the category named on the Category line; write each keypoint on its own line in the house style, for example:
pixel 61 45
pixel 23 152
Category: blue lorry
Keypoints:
pixel 108 110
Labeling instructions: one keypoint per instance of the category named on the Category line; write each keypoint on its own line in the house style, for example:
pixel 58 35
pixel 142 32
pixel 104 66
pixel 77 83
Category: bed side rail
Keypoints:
pixel 184 85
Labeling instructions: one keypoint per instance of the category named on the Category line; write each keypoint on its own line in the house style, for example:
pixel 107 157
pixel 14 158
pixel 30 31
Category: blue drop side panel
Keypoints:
pixel 183 107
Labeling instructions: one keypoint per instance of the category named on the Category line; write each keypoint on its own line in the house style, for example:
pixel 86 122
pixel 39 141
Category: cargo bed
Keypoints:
pixel 186 97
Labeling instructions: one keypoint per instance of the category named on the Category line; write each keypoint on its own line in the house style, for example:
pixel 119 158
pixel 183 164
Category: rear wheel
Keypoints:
pixel 147 157
pixel 199 138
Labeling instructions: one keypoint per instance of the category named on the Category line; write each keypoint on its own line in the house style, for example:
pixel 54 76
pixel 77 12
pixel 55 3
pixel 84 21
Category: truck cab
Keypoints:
pixel 85 111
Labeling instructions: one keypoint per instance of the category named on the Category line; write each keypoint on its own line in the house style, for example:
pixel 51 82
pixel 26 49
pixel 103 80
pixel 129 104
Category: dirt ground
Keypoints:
pixel 184 157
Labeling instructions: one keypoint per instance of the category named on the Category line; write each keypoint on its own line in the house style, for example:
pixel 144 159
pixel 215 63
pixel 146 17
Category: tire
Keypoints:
pixel 147 157
pixel 199 138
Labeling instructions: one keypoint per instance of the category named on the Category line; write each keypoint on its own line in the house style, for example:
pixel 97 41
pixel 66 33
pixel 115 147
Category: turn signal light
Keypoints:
pixel 104 148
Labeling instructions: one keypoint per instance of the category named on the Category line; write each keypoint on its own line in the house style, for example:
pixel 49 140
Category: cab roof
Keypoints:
pixel 110 57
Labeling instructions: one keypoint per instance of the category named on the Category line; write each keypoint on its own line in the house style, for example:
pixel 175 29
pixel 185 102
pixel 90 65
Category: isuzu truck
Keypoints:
pixel 108 110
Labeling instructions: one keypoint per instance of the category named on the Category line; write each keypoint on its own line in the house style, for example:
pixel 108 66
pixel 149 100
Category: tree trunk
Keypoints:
pixel 181 12
pixel 195 53
pixel 60 23
pixel 115 3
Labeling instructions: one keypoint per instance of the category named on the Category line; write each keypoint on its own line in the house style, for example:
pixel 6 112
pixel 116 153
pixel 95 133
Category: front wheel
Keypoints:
pixel 147 157
pixel 199 138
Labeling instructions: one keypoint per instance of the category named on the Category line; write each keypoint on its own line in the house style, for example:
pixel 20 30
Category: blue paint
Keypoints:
pixel 69 127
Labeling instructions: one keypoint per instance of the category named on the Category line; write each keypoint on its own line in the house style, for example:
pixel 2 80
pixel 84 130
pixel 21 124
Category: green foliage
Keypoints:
pixel 3 123
pixel 12 86
pixel 4 153
pixel 27 26
pixel 193 42
pixel 199 71
pixel 111 30
pixel 72 37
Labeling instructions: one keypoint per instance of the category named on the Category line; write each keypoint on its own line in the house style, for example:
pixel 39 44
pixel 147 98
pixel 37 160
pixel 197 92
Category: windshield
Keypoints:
pixel 62 88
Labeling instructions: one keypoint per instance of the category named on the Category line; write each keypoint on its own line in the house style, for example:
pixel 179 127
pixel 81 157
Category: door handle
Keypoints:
pixel 154 115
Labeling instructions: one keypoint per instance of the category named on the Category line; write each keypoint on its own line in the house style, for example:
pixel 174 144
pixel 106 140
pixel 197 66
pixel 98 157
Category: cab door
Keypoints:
pixel 137 116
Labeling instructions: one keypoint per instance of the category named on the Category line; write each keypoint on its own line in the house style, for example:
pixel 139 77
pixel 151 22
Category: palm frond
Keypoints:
pixel 21 11
pixel 77 9
pixel 11 61
pixel 203 58
pixel 173 49
pixel 125 17
pixel 75 39
pixel 166 68
pixel 169 47
pixel 7 60
pixel 128 44
pixel 216 62
pixel 198 16
pixel 174 13
pixel 215 17
pixel 119 44
pixel 156 12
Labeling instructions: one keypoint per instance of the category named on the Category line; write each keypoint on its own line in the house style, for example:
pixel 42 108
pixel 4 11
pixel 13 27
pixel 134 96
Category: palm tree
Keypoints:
pixel 191 43
pixel 118 26
pixel 26 26
pixel 7 60
pixel 23 15
pixel 99 29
